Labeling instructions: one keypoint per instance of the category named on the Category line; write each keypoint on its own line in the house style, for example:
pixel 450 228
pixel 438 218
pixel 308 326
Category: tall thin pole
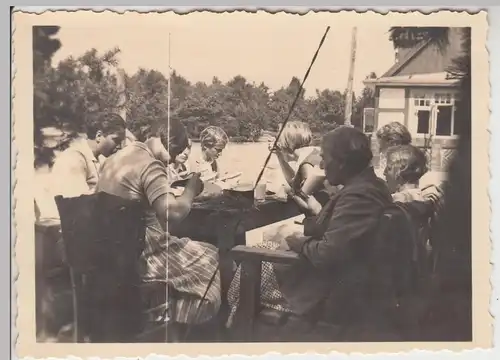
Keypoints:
pixel 293 105
pixel 348 102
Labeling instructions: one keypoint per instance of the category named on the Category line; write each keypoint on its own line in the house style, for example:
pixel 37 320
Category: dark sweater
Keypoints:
pixel 336 250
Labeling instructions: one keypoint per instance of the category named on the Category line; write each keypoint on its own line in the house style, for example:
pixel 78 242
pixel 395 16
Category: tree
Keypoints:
pixel 77 87
pixel 69 93
pixel 408 37
pixel 147 93
pixel 44 48
pixel 328 110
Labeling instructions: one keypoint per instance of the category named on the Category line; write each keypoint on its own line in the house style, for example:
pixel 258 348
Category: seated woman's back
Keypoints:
pixel 134 173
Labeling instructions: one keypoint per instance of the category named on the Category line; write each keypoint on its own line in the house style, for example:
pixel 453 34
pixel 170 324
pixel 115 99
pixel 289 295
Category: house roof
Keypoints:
pixel 409 56
pixel 429 79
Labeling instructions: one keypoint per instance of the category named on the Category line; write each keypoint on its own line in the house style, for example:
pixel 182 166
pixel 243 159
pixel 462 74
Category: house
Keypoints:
pixel 418 92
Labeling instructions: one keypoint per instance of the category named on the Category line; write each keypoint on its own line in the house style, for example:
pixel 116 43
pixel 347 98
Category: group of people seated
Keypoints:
pixel 334 183
pixel 356 198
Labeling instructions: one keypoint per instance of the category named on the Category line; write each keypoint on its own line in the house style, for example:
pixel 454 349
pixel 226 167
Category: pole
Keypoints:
pixel 348 102
pixel 293 105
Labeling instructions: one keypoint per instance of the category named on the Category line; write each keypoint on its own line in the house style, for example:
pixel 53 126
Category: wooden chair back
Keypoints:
pixel 103 238
pixel 400 268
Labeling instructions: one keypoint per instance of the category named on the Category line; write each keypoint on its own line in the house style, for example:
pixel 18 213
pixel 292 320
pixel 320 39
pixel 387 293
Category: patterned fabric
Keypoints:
pixel 190 264
pixel 270 296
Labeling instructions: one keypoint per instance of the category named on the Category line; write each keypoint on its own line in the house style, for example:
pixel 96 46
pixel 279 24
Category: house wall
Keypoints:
pixel 433 60
pixel 394 104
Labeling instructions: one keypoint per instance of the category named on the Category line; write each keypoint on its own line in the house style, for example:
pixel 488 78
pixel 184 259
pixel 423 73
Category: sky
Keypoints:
pixel 261 47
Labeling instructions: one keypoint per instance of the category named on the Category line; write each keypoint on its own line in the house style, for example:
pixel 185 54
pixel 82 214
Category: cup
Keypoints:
pixel 260 193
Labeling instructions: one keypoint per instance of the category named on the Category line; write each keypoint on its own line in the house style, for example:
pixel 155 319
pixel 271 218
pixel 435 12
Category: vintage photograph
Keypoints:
pixel 257 177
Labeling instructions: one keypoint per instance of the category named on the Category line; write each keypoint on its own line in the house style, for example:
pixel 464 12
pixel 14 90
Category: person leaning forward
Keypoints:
pixel 76 169
pixel 139 172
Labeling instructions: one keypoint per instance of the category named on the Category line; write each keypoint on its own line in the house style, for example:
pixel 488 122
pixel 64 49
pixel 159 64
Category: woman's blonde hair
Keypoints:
pixel 213 136
pixel 295 135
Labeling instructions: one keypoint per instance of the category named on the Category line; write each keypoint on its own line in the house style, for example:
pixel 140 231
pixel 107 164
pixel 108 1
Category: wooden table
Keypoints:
pixel 225 227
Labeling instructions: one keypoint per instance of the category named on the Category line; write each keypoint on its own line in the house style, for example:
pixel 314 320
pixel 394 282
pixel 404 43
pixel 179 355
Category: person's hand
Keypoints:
pixel 314 206
pixel 295 242
pixel 433 193
pixel 184 174
pixel 288 190
pixel 275 149
pixel 196 184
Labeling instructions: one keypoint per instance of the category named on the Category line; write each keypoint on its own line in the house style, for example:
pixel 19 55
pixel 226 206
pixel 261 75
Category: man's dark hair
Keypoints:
pixel 350 146
pixel 173 137
pixel 106 122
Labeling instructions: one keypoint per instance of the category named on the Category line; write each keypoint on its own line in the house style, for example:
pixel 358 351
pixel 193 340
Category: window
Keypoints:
pixel 391 98
pixel 368 120
pixel 434 114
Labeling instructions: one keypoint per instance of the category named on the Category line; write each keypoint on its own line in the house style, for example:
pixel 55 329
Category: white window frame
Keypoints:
pixel 431 101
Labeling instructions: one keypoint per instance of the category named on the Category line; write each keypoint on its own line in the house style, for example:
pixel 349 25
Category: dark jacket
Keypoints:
pixel 334 256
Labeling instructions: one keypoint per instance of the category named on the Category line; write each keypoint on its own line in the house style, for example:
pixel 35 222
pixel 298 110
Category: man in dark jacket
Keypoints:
pixel 328 283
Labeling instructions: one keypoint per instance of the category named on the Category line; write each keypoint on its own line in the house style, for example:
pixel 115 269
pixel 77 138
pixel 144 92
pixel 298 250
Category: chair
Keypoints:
pixel 388 292
pixel 400 268
pixel 103 239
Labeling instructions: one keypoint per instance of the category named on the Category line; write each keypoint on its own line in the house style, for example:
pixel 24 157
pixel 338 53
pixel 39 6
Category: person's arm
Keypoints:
pixel 287 170
pixel 307 203
pixel 205 170
pixel 354 215
pixel 69 175
pixel 309 179
pixel 168 207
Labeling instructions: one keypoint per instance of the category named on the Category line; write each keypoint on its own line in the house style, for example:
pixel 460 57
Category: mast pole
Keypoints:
pixel 348 102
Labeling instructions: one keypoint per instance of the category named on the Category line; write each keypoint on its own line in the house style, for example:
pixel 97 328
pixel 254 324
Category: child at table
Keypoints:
pixel 179 169
pixel 213 141
pixel 300 162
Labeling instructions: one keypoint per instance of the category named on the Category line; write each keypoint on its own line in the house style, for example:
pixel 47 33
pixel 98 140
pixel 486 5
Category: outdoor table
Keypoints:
pixel 225 226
